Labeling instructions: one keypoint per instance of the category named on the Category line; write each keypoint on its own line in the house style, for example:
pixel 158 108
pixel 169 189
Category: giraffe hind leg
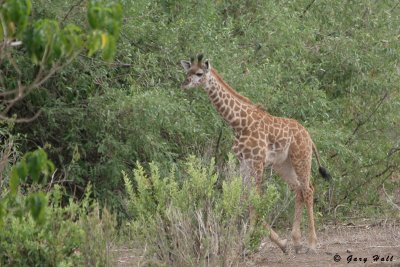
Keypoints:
pixel 296 232
pixel 287 172
pixel 309 202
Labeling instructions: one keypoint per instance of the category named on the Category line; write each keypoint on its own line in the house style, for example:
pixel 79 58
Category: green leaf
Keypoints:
pixel 36 203
pixel 105 19
pixel 93 15
pixel 39 167
pixel 16 15
pixel 19 172
pixel 43 41
pixel 1 32
pixel 94 42
pixel 34 164
pixel 109 48
pixel 2 214
pixel 71 40
pixel 105 16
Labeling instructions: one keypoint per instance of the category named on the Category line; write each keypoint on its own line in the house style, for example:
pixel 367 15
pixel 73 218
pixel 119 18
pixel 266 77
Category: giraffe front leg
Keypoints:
pixel 248 184
pixel 296 232
pixel 255 168
pixel 245 171
pixel 282 244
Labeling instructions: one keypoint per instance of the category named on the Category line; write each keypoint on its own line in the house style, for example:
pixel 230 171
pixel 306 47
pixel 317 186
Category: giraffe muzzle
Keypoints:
pixel 185 84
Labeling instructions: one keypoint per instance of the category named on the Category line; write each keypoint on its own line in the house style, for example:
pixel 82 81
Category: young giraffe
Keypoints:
pixel 262 139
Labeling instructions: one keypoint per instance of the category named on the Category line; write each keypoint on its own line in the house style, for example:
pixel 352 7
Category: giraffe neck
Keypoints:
pixel 230 104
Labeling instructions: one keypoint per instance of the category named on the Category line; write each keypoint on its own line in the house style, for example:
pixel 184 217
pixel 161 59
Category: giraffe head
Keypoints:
pixel 196 73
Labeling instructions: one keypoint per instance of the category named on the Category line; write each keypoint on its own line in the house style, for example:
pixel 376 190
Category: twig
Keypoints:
pixel 389 168
pixel 23 91
pixel 381 246
pixel 70 10
pixel 22 120
pixel 218 142
pixel 394 7
pixel 5 155
pixel 389 199
pixel 52 179
pixel 307 8
pixel 11 43
pixel 334 211
pixel 285 206
pixel 113 64
pixel 362 122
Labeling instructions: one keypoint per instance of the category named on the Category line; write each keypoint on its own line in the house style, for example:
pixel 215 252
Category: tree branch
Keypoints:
pixel 22 91
pixel 389 198
pixel 394 7
pixel 78 3
pixel 218 142
pixel 364 121
pixel 112 64
pixel 22 120
pixel 307 8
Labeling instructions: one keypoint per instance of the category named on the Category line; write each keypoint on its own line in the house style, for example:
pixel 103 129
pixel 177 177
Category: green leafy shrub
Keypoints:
pixel 334 67
pixel 39 229
pixel 189 221
pixel 76 234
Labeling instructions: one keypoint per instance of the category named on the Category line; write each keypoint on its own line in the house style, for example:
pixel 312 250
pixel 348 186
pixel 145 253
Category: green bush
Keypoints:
pixel 334 67
pixel 188 221
pixel 48 229
pixel 73 234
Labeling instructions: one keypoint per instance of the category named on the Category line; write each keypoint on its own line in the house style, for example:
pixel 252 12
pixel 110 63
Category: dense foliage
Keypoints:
pixel 335 67
pixel 72 234
pixel 192 222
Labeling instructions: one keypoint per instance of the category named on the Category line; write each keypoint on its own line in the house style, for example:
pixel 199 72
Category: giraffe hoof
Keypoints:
pixel 283 246
pixel 246 253
pixel 311 251
pixel 297 248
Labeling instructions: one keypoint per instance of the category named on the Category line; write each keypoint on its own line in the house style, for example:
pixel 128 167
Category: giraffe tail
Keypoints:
pixel 324 173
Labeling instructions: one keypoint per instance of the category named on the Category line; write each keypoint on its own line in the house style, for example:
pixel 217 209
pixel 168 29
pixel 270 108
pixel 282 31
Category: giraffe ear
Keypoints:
pixel 186 64
pixel 208 65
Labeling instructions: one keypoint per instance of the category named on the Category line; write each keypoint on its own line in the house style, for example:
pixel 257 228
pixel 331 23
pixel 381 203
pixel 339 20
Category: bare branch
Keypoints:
pixel 218 143
pixel 22 91
pixel 364 121
pixel 389 198
pixel 112 64
pixel 394 7
pixel 307 8
pixel 78 3
pixel 11 43
pixel 4 160
pixel 22 120
pixel 390 154
pixel 14 64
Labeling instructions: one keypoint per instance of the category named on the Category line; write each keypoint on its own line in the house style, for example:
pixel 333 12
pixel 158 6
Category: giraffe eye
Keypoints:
pixel 199 74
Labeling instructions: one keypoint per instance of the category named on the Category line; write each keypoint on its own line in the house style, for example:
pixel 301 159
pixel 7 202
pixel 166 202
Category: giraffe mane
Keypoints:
pixel 235 93
pixel 199 59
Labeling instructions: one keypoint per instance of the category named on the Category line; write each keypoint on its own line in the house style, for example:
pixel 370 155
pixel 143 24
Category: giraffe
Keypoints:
pixel 263 140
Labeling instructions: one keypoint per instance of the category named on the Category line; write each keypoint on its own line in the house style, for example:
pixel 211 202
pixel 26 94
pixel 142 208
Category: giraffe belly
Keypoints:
pixel 276 157
pixel 287 173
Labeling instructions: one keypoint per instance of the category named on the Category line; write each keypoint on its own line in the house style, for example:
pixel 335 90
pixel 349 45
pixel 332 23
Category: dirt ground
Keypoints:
pixel 342 245
pixel 365 243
